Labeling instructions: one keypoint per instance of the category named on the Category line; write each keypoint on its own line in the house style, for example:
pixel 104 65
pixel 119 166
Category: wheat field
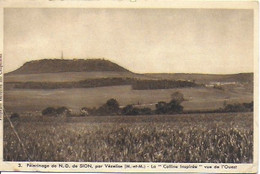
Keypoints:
pixel 194 138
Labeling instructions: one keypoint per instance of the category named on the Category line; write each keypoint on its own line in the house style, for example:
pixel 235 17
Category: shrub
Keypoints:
pixel 62 110
pixel 218 87
pixel 249 106
pixel 161 107
pixel 161 84
pixel 178 96
pixel 130 110
pixel 14 116
pixel 146 111
pixel 112 105
pixel 238 107
pixel 174 107
pixel 168 108
pixel 49 111
pixel 84 111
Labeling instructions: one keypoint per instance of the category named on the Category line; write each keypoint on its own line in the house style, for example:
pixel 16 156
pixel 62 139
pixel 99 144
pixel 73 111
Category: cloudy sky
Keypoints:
pixel 142 40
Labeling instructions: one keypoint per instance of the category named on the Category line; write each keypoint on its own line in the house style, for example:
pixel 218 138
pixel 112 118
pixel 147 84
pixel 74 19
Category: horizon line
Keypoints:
pixel 103 58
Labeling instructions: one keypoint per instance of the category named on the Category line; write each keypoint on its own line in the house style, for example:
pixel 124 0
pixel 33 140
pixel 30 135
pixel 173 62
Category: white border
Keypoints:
pixel 240 168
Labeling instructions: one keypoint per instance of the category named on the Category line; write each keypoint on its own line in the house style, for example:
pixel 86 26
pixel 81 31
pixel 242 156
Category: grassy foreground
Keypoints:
pixel 195 138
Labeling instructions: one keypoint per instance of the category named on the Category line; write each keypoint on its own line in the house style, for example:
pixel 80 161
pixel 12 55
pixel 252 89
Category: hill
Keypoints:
pixel 205 78
pixel 76 73
pixel 68 65
pixel 68 70
pixel 70 76
pixel 80 83
pixel 78 76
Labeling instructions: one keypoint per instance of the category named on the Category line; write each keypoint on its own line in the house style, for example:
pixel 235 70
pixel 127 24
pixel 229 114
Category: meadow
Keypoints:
pixel 194 138
pixel 200 98
pixel 77 76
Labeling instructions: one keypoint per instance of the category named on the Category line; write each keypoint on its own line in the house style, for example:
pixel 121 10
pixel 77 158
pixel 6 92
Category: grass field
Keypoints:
pixel 70 76
pixel 23 100
pixel 204 138
pixel 198 138
pixel 77 76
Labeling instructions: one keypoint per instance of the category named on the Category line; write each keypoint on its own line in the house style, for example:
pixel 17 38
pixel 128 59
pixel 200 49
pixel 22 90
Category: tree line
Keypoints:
pixel 111 107
pixel 137 84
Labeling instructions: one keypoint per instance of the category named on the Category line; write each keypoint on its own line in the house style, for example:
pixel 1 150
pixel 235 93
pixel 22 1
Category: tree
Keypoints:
pixel 249 106
pixel 178 97
pixel 174 107
pixel 127 110
pixel 49 111
pixel 168 108
pixel 239 107
pixel 63 111
pixel 112 105
pixel 161 107
pixel 146 111
pixel 130 110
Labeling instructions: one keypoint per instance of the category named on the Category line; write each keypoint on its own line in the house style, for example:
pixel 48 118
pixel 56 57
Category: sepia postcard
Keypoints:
pixel 129 86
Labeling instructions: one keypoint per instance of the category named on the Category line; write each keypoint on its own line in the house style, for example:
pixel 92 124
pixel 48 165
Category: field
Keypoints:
pixel 77 76
pixel 68 76
pixel 26 100
pixel 196 138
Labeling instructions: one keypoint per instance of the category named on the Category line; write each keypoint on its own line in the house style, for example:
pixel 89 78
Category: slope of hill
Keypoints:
pixel 205 78
pixel 53 72
pixel 66 65
pixel 79 83
pixel 68 76
pixel 60 70
pixel 78 76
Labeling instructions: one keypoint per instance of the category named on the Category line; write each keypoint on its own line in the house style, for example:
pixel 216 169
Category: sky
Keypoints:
pixel 213 41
